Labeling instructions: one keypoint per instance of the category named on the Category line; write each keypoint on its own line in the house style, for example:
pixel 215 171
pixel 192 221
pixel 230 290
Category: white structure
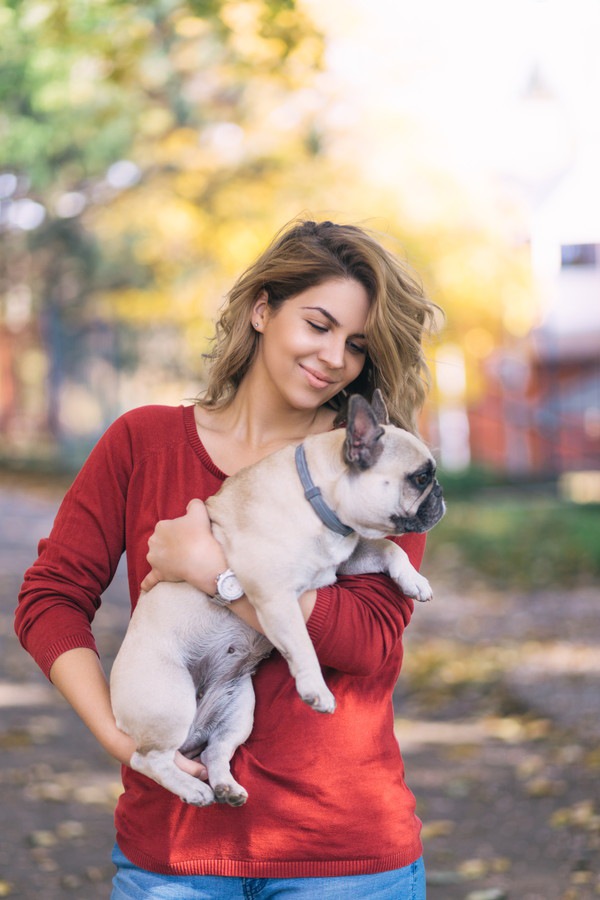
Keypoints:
pixel 565 244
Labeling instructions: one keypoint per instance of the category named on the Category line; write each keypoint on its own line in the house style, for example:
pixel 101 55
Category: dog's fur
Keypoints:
pixel 182 679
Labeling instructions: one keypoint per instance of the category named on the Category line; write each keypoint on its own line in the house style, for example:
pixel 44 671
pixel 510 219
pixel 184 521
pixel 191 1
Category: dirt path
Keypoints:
pixel 498 716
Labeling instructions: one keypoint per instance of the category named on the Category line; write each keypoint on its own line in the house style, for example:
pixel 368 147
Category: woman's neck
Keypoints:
pixel 248 429
pixel 258 421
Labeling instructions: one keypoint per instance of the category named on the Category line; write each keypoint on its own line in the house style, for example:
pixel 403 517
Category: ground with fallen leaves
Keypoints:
pixel 498 716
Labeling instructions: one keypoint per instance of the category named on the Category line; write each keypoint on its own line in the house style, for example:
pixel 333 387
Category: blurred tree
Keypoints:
pixel 148 151
pixel 145 152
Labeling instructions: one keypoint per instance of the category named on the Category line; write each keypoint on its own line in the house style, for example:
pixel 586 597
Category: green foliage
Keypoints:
pixel 523 541
pixel 471 481
pixel 182 93
pixel 145 151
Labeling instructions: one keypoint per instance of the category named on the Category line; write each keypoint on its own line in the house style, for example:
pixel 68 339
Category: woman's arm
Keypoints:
pixel 79 677
pixel 61 591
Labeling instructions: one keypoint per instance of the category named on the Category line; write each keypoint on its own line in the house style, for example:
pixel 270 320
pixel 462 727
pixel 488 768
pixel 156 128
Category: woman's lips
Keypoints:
pixel 316 379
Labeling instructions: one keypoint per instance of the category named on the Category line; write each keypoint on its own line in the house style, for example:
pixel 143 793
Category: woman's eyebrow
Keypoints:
pixel 331 318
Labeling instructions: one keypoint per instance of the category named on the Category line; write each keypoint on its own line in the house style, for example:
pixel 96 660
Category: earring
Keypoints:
pixel 256 324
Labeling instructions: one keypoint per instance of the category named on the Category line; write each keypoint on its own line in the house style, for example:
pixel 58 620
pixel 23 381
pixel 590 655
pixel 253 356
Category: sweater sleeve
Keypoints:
pixel 371 606
pixel 61 591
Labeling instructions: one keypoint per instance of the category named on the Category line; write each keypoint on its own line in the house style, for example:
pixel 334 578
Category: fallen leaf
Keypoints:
pixel 42 839
pixel 437 828
pixel 473 868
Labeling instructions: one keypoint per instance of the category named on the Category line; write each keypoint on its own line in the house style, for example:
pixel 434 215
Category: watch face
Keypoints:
pixel 229 587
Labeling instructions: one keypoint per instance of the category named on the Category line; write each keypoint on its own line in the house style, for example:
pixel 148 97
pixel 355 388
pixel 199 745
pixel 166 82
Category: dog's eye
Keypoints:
pixel 231 649
pixel 422 479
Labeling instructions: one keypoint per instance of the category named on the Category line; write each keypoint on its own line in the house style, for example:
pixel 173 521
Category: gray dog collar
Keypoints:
pixel 315 498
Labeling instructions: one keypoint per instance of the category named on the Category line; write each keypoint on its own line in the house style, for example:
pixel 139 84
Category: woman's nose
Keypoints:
pixel 333 352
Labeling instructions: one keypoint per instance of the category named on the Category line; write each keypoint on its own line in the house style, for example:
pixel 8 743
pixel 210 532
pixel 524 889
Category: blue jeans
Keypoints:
pixel 132 883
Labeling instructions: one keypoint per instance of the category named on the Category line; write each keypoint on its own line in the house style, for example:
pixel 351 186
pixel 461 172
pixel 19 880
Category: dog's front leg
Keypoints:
pixel 386 556
pixel 282 621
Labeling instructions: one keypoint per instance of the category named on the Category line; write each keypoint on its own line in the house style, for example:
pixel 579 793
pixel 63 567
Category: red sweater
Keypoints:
pixel 326 793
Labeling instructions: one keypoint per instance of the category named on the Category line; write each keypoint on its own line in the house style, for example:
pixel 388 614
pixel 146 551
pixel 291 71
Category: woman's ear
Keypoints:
pixel 260 311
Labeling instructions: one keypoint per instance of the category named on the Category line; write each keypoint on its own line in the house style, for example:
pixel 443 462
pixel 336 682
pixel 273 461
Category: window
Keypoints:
pixel 579 255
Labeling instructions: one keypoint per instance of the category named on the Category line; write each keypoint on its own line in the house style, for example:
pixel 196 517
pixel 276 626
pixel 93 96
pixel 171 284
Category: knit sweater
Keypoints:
pixel 327 794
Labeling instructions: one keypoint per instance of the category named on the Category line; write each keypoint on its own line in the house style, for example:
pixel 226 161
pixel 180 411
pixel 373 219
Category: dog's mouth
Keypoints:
pixel 429 514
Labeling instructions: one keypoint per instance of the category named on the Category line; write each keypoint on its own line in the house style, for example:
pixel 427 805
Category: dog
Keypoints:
pixel 182 677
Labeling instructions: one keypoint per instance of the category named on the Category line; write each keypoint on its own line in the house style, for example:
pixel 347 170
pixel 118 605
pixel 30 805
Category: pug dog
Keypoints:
pixel 288 524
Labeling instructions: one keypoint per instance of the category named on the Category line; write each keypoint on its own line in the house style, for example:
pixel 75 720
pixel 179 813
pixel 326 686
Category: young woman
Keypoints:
pixel 325 312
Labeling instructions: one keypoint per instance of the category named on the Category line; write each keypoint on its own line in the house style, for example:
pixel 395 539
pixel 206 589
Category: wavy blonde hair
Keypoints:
pixel 305 254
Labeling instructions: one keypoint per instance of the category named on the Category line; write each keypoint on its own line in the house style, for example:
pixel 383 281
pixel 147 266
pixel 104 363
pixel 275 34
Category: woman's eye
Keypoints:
pixel 357 348
pixel 323 329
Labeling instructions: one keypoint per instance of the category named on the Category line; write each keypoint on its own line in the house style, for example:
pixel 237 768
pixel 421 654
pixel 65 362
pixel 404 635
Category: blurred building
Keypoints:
pixel 541 409
pixel 566 346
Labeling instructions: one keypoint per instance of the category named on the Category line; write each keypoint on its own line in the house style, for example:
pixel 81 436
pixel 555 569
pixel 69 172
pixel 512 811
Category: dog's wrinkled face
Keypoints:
pixel 430 501
pixel 393 488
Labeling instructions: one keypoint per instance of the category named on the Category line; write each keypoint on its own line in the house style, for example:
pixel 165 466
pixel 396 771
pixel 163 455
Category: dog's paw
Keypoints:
pixel 200 795
pixel 319 702
pixel 232 794
pixel 314 692
pixel 412 583
pixel 418 588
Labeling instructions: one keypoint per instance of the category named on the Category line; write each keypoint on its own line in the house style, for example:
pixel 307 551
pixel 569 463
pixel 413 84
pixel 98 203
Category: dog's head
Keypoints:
pixel 391 486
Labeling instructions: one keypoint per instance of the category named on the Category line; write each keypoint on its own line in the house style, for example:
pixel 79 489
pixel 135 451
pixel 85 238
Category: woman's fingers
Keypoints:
pixel 191 766
pixel 151 579
pixel 184 549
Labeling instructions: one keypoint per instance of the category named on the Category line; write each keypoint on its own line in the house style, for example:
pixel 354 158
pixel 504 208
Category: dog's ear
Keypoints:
pixel 379 408
pixel 362 447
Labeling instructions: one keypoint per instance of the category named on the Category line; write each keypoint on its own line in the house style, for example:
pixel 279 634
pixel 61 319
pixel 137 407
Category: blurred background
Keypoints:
pixel 149 151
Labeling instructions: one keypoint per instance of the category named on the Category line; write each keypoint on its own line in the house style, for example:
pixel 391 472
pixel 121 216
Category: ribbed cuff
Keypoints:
pixel 75 641
pixel 319 614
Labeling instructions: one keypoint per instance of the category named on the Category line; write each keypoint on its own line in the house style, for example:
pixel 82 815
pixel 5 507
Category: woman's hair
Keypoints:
pixel 305 254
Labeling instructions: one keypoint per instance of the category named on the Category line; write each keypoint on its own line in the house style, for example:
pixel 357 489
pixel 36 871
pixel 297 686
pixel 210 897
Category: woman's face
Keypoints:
pixel 314 345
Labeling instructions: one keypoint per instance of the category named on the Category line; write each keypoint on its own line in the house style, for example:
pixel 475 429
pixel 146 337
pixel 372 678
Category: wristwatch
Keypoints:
pixel 228 588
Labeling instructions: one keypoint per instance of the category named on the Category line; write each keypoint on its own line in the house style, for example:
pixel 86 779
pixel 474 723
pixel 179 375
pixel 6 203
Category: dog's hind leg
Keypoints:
pixel 160 766
pixel 231 730
pixel 161 704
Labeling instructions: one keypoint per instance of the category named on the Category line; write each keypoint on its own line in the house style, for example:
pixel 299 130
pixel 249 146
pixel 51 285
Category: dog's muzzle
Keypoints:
pixel 429 513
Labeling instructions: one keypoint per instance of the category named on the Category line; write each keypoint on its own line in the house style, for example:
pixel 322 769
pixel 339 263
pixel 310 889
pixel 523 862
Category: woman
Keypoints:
pixel 326 311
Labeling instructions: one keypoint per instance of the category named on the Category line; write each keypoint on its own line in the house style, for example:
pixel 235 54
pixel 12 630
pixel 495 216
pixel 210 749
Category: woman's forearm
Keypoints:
pixel 244 609
pixel 79 677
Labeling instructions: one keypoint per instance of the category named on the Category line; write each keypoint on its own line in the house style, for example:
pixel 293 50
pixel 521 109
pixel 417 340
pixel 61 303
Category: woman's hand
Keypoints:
pixel 184 549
